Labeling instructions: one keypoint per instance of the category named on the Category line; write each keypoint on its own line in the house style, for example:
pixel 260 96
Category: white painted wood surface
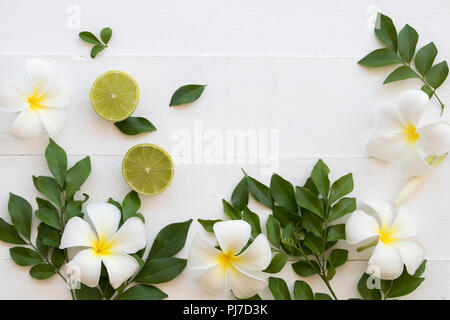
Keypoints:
pixel 287 65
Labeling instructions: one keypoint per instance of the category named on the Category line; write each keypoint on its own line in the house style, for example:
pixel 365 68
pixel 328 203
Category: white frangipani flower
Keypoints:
pixel 399 138
pixel 229 268
pixel 392 235
pixel 105 242
pixel 39 106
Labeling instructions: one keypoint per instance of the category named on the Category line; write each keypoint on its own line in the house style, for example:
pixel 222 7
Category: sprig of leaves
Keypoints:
pixel 89 37
pixel 400 50
pixel 302 291
pixel 186 94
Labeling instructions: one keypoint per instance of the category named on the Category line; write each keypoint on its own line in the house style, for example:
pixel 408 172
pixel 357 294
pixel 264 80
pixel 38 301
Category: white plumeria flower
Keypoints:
pixel 104 243
pixel 399 138
pixel 229 268
pixel 393 237
pixel 39 106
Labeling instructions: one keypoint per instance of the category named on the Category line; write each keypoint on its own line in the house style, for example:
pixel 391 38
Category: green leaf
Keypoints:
pixel 239 198
pixel 89 37
pixel 9 234
pixel 130 205
pixel 142 292
pixel 57 162
pixel 309 184
pixel 365 292
pixel 386 32
pixel 106 34
pixel 88 293
pixel 40 245
pixel 279 289
pixel 278 262
pixel 319 176
pixel 425 57
pixel 96 50
pixel 187 94
pixel 253 220
pixel 76 176
pixel 170 240
pixel 42 271
pixel 314 243
pixel 322 296
pixel 48 187
pixel 302 291
pixel 403 285
pixel 341 208
pixel 73 209
pixel 160 270
pixel 135 125
pixel 49 236
pixel 230 211
pixel 285 217
pixel 304 269
pixel 338 257
pixel 20 213
pixel 421 269
pixel 312 223
pixel 437 74
pixel 306 199
pixel 401 73
pixel 260 192
pixel 380 58
pixel 48 214
pixel 114 202
pixel 58 257
pixel 341 187
pixel 336 232
pixel 289 240
pixel 407 41
pixel 427 90
pixel 24 256
pixel 273 231
pixel 208 224
pixel 283 192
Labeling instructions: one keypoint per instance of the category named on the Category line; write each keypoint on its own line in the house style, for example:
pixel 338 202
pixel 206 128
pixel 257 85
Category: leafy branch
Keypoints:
pixel 99 46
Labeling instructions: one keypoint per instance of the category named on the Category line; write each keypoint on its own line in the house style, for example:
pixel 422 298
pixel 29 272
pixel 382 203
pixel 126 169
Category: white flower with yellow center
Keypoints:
pixel 231 268
pixel 39 106
pixel 393 238
pixel 105 242
pixel 399 138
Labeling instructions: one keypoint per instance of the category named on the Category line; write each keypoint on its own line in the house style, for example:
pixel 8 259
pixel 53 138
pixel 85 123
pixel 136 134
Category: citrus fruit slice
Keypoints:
pixel 114 95
pixel 147 169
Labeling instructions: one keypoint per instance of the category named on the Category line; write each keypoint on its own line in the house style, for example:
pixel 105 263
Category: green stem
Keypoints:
pixel 327 283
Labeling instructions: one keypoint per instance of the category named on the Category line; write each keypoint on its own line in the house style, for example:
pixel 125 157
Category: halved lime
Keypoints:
pixel 114 95
pixel 147 169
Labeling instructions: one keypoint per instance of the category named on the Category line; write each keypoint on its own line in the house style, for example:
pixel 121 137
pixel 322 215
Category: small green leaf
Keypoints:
pixel 407 41
pixel 253 220
pixel 48 187
pixel 380 58
pixel 58 257
pixel 48 214
pixel 341 208
pixel 314 243
pixel 336 232
pixel 96 50
pixel 73 209
pixel 427 90
pixel 312 223
pixel 386 32
pixel 230 211
pixel 9 234
pixel 49 236
pixel 277 263
pixel 285 217
pixel 114 202
pixel 421 269
pixel 338 257
pixel 239 198
pixel 403 285
pixel 425 57
pixel 322 296
pixel 24 256
pixel 365 292
pixel 130 205
pixel 187 94
pixel 42 271
pixel 341 187
pixel 106 34
pixel 309 184
pixel 289 240
pixel 135 125
pixel 304 269
pixel 437 74
pixel 319 176
pixel 142 292
pixel 170 240
pixel 76 176
pixel 273 231
pixel 283 192
pixel 160 270
pixel 306 199
pixel 279 289
pixel 401 73
pixel 89 37
pixel 260 192
pixel 20 213
pixel 208 224
pixel 57 162
pixel 88 293
pixel 302 291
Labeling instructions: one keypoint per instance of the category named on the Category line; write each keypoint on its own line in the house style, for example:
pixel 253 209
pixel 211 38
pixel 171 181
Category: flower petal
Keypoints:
pixel 120 268
pixel 13 97
pixel 414 164
pixel 385 262
pixel 243 284
pixel 257 256
pixel 41 74
pixel 202 254
pixel 53 120
pixel 57 94
pixel 360 226
pixel 27 125
pixel 131 237
pixel 380 211
pixel 77 233
pixel 403 226
pixel 434 139
pixel 387 120
pixel 412 254
pixel 87 265
pixel 105 217
pixel 387 148
pixel 411 105
pixel 213 280
pixel 232 235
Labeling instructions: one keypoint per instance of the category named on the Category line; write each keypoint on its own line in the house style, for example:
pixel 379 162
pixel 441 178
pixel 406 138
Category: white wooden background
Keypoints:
pixel 285 64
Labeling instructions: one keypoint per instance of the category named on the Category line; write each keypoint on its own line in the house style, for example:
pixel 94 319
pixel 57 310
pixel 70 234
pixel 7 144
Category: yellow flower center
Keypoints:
pixel 386 236
pixel 102 247
pixel 35 100
pixel 226 260
pixel 410 134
